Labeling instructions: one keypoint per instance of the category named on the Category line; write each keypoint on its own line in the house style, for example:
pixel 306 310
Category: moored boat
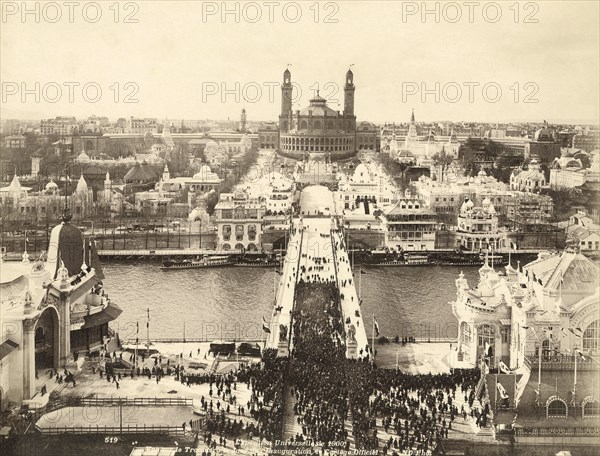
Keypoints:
pixel 204 262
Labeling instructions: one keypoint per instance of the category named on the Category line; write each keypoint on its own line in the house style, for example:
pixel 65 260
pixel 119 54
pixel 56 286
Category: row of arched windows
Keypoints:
pixel 317 144
pixel 557 407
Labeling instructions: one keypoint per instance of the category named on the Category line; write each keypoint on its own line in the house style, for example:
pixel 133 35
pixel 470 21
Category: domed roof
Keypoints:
pixel 486 202
pixel 83 156
pixel 206 174
pixel 51 185
pixel 491 209
pixel 66 246
pixel 544 134
pixel 467 205
pixel 362 172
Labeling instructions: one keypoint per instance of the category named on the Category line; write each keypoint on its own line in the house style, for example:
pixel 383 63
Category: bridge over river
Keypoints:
pixel 317 253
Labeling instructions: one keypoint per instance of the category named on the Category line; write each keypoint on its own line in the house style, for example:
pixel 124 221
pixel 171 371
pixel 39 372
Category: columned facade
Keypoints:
pixel 317 129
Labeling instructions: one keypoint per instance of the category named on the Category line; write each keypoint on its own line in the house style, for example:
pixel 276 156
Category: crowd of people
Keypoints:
pixel 318 382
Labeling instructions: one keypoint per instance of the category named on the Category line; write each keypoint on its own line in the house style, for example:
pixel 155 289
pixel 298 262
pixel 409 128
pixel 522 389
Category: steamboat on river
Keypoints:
pixel 198 263
pixel 208 261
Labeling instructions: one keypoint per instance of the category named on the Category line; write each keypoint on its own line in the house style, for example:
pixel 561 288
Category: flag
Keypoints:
pixel 564 331
pixel 265 326
pixel 579 332
pixel 502 391
pixel 504 368
pixel 137 327
pixel 376 326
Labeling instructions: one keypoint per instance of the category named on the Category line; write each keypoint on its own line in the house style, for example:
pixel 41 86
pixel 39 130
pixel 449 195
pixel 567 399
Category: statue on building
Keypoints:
pixel 283 330
pixel 351 336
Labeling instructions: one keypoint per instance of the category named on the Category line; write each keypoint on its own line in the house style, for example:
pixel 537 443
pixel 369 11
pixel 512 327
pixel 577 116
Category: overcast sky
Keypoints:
pixel 176 58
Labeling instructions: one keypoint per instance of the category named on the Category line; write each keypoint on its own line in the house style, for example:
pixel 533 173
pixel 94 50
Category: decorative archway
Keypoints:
pixel 590 407
pixel 556 408
pixel 47 340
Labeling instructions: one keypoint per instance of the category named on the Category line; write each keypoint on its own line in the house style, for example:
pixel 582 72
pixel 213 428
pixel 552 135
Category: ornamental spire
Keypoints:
pixel 66 216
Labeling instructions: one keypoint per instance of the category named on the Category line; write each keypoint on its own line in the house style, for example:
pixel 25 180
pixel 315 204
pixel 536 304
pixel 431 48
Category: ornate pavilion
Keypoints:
pixel 52 311
pixel 536 330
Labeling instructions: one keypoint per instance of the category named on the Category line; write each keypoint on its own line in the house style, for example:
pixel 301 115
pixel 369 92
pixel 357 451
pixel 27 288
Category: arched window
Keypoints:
pixel 252 232
pixel 546 351
pixel 239 233
pixel 466 332
pixel 485 333
pixel 590 407
pixel 556 408
pixel 591 336
pixel 303 125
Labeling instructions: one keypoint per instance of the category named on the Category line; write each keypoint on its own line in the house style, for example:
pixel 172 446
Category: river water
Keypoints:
pixel 229 303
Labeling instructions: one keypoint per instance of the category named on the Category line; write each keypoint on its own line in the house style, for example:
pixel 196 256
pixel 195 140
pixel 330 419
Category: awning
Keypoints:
pixel 7 347
pixel 110 313
pixel 505 321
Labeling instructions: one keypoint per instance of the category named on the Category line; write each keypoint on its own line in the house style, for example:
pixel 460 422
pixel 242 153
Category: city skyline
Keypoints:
pixel 179 70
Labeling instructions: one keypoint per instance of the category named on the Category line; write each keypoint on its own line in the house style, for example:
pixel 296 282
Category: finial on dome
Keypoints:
pixel 63 273
pixel 66 215
pixel 84 267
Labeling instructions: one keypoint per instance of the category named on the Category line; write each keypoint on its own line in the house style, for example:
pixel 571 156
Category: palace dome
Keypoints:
pixel 467 205
pixel 544 134
pixel 66 245
pixel 51 186
pixel 206 174
pixel 83 157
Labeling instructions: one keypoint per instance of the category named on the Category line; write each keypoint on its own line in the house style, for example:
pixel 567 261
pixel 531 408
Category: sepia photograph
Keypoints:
pixel 322 228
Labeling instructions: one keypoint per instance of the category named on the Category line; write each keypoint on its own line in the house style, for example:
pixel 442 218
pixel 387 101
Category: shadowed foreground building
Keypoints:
pixel 536 328
pixel 52 311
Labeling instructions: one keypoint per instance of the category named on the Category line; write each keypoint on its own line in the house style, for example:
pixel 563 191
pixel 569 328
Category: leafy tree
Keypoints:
pixel 442 159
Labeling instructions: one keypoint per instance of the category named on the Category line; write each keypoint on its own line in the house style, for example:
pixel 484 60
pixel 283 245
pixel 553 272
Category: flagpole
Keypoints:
pixel 359 284
pixel 148 334
pixel 373 338
pixel 575 379
pixel 539 368
pixel 137 341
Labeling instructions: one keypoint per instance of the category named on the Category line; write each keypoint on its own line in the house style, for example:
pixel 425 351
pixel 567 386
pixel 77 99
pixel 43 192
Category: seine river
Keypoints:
pixel 229 303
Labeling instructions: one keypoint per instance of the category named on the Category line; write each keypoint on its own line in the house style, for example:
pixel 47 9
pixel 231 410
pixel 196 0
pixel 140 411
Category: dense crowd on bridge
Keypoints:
pixel 329 395
pixel 318 382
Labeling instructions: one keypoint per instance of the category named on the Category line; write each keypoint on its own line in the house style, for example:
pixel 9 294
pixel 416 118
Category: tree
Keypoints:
pixel 442 159
pixel 211 201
